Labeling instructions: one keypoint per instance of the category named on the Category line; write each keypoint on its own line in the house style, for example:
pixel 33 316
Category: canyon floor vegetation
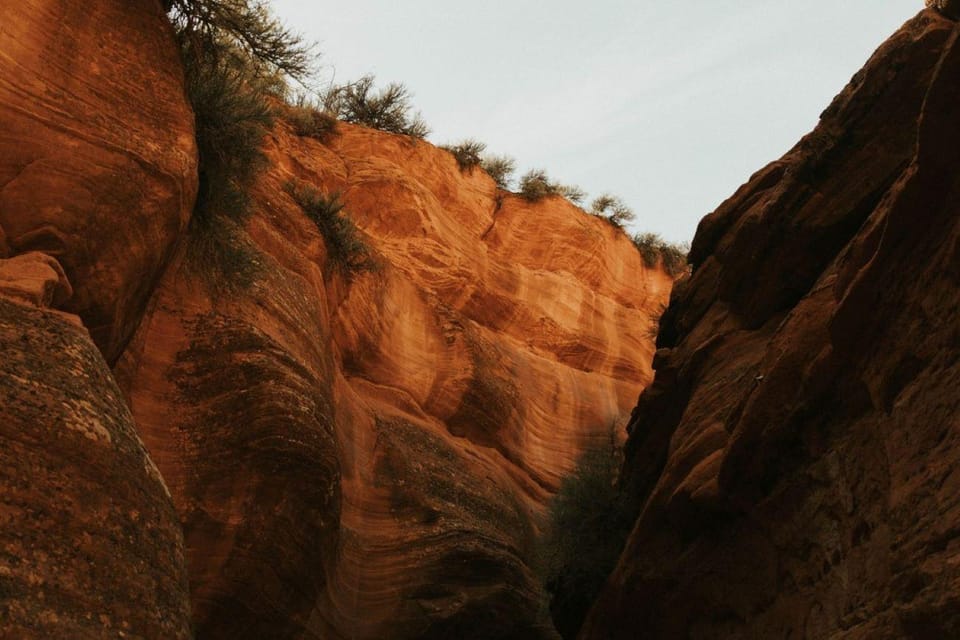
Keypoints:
pixel 589 520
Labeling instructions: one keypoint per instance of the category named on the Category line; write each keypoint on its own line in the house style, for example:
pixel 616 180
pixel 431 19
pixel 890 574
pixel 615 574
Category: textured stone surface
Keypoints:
pixel 369 459
pixel 799 448
pixel 97 158
pixel 90 544
pixel 36 278
pixel 950 8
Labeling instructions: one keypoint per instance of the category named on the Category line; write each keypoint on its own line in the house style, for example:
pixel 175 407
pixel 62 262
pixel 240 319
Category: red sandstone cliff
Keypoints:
pixel 370 459
pixel 364 458
pixel 799 449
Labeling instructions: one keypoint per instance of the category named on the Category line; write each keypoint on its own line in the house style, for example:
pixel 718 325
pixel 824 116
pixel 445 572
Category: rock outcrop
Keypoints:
pixel 97 153
pixel 90 543
pixel 799 449
pixel 369 457
pixel 97 179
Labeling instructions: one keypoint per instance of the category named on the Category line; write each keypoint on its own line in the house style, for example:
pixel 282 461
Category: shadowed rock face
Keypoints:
pixel 97 158
pixel 370 457
pixel 799 448
pixel 90 544
pixel 950 8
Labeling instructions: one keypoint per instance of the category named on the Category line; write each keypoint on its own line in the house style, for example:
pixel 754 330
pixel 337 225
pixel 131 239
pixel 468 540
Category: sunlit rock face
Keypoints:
pixel 369 457
pixel 329 457
pixel 97 156
pixel 798 449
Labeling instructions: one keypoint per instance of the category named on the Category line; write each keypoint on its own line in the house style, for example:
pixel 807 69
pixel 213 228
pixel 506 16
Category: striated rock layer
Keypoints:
pixel 369 457
pixel 799 449
pixel 97 153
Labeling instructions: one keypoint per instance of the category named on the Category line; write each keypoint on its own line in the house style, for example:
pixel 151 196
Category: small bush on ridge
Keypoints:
pixel 574 194
pixel 536 185
pixel 389 109
pixel 654 249
pixel 500 168
pixel 467 153
pixel 612 209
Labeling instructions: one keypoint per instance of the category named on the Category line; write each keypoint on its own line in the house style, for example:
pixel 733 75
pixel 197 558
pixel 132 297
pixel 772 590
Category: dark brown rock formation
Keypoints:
pixel 950 8
pixel 97 158
pixel 799 449
pixel 90 544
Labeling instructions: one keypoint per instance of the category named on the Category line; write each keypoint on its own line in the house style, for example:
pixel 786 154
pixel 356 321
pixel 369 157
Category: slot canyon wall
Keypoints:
pixel 799 448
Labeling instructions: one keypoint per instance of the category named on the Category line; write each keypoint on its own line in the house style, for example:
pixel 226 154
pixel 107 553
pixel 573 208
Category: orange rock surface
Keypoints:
pixel 363 457
pixel 370 457
pixel 97 158
pixel 799 449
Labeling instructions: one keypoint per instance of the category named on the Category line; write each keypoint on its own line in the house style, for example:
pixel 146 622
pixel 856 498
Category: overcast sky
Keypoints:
pixel 671 105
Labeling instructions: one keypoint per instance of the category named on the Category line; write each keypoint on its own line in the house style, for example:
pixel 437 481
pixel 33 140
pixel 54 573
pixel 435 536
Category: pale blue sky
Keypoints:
pixel 671 105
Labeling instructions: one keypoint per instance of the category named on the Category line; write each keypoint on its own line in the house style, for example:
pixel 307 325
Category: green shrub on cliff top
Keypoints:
pixel 467 153
pixel 500 168
pixel 613 209
pixel 536 185
pixel 388 109
pixel 654 249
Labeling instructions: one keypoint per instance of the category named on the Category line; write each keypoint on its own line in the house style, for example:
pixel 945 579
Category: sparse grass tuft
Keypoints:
pixel 346 247
pixel 309 120
pixel 223 258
